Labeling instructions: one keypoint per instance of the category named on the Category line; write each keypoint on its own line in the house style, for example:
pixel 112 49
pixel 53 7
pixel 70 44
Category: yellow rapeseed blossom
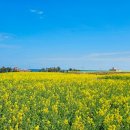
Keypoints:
pixel 45 110
pixel 37 127
pixel 55 108
pixel 128 119
pixel 64 101
pixel 112 127
pixel 66 122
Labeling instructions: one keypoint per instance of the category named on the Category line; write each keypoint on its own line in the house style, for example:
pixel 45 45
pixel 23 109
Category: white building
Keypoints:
pixel 115 69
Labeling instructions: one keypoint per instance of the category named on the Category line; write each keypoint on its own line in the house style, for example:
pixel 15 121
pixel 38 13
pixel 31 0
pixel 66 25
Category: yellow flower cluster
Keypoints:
pixel 63 101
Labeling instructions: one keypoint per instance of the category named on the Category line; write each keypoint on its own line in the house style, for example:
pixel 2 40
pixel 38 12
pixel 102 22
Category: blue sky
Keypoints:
pixel 81 34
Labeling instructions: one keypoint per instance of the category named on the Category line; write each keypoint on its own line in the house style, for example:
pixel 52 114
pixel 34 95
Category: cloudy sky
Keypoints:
pixel 82 34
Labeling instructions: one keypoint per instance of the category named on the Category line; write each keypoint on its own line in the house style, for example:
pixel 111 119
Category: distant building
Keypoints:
pixel 113 69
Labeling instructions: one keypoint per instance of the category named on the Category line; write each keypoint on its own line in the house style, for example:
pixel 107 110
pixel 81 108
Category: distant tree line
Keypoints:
pixel 8 69
pixel 71 69
pixel 57 69
pixel 50 69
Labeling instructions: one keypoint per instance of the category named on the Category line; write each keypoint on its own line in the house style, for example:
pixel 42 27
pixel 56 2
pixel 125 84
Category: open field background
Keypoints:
pixel 64 101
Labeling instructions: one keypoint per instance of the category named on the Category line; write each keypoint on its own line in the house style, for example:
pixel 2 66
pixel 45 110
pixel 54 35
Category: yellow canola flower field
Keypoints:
pixel 64 101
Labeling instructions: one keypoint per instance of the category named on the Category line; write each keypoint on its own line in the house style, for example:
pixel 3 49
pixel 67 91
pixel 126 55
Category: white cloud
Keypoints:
pixel 6 36
pixel 109 54
pixel 99 61
pixel 40 12
pixel 33 11
pixel 37 12
pixel 93 57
